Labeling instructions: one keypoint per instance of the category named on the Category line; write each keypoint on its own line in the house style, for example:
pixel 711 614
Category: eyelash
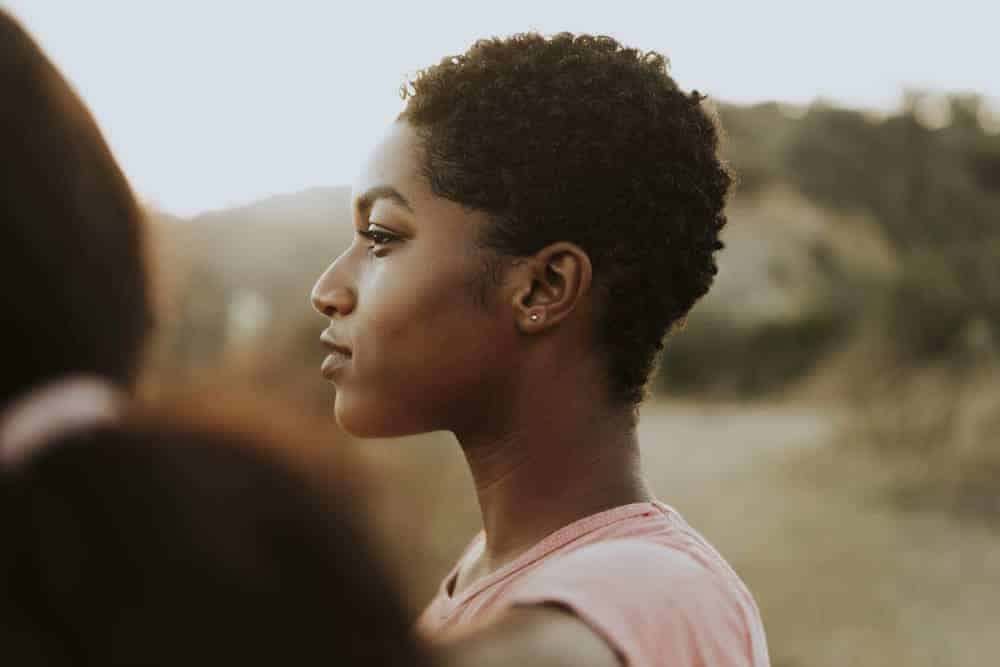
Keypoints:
pixel 377 237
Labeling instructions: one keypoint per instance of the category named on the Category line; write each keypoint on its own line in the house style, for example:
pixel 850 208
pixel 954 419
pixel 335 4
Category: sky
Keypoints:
pixel 213 103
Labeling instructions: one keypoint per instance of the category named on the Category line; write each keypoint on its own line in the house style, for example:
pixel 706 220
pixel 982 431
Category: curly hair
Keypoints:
pixel 578 138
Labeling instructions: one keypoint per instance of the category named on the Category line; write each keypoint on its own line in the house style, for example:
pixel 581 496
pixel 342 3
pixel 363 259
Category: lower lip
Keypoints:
pixel 333 363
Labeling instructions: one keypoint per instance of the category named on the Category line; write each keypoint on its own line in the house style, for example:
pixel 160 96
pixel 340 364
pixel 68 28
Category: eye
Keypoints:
pixel 378 237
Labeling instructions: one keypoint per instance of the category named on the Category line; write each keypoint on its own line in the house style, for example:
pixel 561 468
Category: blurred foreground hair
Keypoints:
pixel 183 537
pixel 76 293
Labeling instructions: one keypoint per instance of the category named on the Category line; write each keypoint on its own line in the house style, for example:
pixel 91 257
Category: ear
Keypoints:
pixel 550 285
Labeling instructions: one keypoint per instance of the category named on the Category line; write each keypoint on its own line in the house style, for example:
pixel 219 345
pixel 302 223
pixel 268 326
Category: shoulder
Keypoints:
pixel 647 598
pixel 543 636
pixel 626 563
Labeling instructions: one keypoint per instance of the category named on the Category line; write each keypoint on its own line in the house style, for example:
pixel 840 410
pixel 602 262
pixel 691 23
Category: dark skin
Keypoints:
pixel 516 379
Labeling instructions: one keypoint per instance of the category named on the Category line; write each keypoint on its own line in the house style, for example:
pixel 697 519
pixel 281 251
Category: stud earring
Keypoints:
pixel 534 317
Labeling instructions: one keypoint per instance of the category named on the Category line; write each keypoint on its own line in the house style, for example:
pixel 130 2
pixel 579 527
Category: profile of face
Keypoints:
pixel 421 349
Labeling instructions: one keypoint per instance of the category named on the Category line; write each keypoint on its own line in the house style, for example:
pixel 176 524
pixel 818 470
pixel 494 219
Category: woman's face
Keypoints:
pixel 425 353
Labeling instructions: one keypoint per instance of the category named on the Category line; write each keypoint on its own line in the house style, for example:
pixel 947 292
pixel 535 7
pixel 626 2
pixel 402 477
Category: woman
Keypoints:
pixel 537 219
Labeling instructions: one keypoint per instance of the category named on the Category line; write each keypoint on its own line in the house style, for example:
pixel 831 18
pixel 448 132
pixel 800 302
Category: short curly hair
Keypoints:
pixel 578 138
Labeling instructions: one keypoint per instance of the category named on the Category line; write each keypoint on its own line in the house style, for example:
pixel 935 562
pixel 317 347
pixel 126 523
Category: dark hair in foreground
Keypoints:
pixel 178 540
pixel 577 138
pixel 71 233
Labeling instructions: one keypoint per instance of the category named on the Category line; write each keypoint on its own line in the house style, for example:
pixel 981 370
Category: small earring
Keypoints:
pixel 534 317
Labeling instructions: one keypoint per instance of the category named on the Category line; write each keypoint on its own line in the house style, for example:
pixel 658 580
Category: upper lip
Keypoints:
pixel 327 339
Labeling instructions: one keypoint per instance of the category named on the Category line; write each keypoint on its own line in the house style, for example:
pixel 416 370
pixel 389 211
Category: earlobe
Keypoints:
pixel 532 321
pixel 558 278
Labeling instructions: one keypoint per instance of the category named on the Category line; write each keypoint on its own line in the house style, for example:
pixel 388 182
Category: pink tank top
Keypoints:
pixel 638 575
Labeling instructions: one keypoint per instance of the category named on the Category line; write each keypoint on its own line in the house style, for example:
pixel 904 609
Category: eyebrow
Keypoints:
pixel 372 195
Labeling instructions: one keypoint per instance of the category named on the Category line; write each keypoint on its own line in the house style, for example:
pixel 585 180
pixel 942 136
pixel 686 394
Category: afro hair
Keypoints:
pixel 578 138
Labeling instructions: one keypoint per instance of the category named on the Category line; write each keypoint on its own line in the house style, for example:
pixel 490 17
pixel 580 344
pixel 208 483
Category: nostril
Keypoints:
pixel 332 301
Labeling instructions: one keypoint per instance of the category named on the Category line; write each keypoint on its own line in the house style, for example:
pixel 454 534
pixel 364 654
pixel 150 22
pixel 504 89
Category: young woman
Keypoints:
pixel 541 214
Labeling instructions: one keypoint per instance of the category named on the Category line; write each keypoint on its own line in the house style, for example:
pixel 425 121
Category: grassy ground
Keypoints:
pixel 842 577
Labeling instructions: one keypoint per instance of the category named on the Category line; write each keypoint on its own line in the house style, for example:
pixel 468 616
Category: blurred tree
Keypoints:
pixel 929 174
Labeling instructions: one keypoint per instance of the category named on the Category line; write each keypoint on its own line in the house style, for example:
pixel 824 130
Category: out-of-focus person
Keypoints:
pixel 141 536
pixel 76 291
pixel 194 536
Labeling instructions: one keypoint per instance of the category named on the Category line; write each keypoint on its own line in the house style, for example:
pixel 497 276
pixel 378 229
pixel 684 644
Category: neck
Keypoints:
pixel 555 458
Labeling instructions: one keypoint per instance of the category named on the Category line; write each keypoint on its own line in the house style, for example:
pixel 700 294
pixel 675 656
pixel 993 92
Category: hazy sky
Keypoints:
pixel 209 103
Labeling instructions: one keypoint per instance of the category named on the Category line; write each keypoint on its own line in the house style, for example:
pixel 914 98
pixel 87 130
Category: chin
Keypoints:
pixel 354 420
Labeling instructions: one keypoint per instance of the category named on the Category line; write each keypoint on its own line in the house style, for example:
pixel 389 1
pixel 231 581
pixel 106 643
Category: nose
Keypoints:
pixel 330 295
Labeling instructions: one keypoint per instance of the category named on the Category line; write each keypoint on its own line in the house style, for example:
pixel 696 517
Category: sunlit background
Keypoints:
pixel 830 417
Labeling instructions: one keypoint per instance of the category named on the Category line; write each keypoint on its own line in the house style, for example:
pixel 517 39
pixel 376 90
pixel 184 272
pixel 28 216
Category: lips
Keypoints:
pixel 339 357
pixel 332 345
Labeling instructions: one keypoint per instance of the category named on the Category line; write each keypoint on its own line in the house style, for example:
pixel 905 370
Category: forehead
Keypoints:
pixel 397 162
pixel 394 161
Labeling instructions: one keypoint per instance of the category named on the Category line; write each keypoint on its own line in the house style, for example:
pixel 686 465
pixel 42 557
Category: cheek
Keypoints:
pixel 417 311
pixel 425 345
pixel 428 334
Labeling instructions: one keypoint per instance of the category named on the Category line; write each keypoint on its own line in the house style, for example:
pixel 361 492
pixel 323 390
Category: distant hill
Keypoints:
pixel 261 258
pixel 309 205
pixel 277 239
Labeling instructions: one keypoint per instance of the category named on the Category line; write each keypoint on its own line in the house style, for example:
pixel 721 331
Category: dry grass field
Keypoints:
pixel 842 577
